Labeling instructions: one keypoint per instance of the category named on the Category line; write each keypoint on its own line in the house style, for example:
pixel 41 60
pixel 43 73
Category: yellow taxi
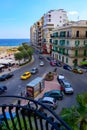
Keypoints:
pixel 77 70
pixel 26 75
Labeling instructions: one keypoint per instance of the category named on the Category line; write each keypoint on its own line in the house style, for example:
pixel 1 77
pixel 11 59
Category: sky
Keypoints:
pixel 17 16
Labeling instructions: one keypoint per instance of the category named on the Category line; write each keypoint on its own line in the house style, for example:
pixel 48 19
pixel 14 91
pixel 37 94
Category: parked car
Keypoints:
pixel 66 87
pixel 67 67
pixel 58 64
pixel 41 63
pixel 60 78
pixel 49 102
pixel 6 76
pixel 34 70
pixel 53 62
pixel 77 70
pixel 49 58
pixel 40 57
pixel 57 94
pixel 26 75
pixel 3 88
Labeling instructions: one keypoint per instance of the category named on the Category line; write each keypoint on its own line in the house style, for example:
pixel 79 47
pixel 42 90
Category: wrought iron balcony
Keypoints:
pixel 29 115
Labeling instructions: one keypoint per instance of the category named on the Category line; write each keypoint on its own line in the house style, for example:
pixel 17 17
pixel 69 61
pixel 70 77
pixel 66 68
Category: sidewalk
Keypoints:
pixel 13 68
pixel 49 85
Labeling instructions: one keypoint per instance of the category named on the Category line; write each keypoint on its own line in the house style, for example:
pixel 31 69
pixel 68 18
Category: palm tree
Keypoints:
pixel 76 116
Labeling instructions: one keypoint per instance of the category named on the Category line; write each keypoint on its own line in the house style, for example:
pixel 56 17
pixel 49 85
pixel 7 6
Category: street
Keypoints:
pixel 15 85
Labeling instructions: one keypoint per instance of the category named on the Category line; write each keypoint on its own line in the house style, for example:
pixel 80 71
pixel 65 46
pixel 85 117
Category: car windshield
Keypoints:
pixel 3 75
pixel 33 69
pixel 67 85
pixel 56 92
pixel 79 69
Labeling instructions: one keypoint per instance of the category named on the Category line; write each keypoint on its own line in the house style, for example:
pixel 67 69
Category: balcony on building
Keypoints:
pixel 48 26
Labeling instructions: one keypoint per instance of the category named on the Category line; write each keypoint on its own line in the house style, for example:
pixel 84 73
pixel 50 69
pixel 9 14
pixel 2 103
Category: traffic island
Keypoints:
pixel 49 76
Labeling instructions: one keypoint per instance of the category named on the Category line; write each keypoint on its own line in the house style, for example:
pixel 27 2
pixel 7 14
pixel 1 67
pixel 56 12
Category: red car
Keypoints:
pixel 53 62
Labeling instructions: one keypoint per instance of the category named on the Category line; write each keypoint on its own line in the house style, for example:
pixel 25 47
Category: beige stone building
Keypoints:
pixel 69 43
pixel 36 33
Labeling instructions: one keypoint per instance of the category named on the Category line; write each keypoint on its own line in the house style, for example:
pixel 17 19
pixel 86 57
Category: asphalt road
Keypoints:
pixel 16 85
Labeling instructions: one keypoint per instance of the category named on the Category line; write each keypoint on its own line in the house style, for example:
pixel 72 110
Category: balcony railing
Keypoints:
pixel 29 115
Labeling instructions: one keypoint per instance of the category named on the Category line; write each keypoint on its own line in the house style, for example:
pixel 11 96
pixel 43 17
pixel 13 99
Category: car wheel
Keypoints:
pixel 60 98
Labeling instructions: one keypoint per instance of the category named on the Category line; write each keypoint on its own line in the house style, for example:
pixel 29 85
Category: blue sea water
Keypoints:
pixel 13 42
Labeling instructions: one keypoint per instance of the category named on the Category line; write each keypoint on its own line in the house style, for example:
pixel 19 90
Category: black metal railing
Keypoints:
pixel 29 115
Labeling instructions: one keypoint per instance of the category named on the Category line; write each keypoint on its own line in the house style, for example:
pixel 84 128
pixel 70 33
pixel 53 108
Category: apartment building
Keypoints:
pixel 69 43
pixel 44 27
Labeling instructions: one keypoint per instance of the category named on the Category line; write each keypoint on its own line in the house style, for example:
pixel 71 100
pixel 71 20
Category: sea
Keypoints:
pixel 13 42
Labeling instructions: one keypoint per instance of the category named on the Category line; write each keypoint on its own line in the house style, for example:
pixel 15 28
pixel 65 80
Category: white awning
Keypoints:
pixel 5 61
pixel 1 66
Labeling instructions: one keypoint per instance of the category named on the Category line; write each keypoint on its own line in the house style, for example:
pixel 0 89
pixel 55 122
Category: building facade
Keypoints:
pixel 44 27
pixel 69 43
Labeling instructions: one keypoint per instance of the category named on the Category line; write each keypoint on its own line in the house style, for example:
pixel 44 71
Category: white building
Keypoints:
pixel 41 30
pixel 53 19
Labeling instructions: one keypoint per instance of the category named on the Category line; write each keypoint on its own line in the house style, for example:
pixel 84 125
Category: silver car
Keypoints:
pixel 49 102
pixel 66 87
pixel 34 70
pixel 41 63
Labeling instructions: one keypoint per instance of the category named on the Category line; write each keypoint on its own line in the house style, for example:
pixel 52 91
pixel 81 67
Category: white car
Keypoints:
pixel 60 78
pixel 66 87
pixel 34 70
pixel 41 63
pixel 49 102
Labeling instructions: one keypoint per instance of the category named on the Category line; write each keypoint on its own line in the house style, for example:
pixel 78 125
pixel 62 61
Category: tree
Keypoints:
pixel 76 116
pixel 25 55
pixel 18 56
pixel 30 52
pixel 26 52
pixel 20 48
pixel 25 46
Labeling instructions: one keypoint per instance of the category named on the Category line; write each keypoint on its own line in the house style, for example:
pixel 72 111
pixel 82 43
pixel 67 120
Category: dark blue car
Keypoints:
pixel 3 88
pixel 6 76
pixel 67 67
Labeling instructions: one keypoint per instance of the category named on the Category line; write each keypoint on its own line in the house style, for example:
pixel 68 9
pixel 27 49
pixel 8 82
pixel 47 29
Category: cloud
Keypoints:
pixel 73 13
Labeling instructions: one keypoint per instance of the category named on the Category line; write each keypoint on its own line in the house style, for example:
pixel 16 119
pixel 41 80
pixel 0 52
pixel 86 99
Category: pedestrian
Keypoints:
pixel 21 94
pixel 9 69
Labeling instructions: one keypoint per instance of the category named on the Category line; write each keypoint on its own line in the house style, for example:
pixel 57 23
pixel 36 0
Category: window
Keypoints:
pixel 67 51
pixel 77 34
pixel 84 52
pixel 67 42
pixel 49 15
pixel 66 60
pixel 49 20
pixel 62 58
pixel 85 43
pixel 76 52
pixel 86 33
pixel 77 43
pixel 68 34
pixel 59 57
